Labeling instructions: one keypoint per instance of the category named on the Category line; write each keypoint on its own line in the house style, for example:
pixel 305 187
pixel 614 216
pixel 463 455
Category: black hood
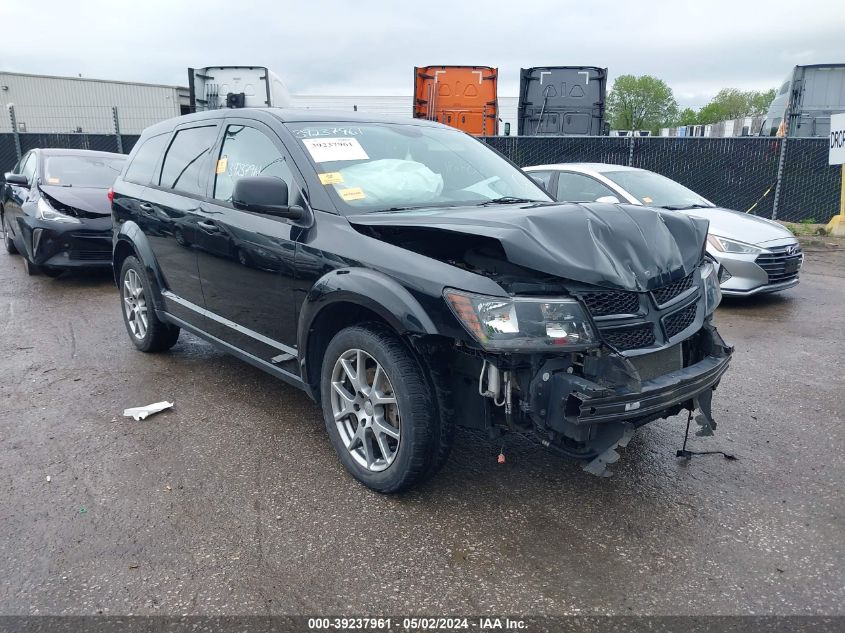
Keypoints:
pixel 617 246
pixel 88 200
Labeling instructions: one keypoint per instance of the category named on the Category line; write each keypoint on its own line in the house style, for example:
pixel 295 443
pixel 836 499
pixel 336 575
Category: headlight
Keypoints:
pixel 46 212
pixel 725 245
pixel 712 289
pixel 522 323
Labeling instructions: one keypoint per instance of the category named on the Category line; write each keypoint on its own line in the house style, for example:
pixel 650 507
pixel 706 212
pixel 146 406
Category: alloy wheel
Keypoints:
pixel 135 304
pixel 365 410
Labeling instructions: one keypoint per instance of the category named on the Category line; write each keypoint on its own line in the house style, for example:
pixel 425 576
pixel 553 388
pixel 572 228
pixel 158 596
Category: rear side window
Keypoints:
pixel 186 159
pixel 141 168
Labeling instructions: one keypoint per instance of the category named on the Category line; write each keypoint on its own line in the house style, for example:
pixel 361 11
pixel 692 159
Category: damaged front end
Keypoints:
pixel 604 323
pixel 582 378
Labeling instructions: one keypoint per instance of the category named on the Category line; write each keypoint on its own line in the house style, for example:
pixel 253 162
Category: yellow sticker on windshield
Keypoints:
pixel 53 181
pixel 221 165
pixel 331 178
pixel 353 193
pixel 647 199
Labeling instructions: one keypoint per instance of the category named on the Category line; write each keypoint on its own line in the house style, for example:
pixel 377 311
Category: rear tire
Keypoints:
pixel 7 240
pixel 391 373
pixel 146 331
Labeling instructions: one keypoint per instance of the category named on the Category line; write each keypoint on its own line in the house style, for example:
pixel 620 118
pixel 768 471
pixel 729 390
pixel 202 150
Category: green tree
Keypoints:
pixel 688 116
pixel 730 103
pixel 760 101
pixel 640 103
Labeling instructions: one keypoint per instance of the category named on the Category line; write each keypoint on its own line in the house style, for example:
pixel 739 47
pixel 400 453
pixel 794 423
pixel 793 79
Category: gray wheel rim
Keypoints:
pixel 135 304
pixel 365 410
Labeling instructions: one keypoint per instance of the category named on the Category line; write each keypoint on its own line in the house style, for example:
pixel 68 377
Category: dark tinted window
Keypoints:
pixel 141 168
pixel 19 165
pixel 28 168
pixel 248 152
pixel 573 187
pixel 185 163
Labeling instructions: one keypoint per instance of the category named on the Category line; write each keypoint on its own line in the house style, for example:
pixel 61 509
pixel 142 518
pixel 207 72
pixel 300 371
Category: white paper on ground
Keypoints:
pixel 139 413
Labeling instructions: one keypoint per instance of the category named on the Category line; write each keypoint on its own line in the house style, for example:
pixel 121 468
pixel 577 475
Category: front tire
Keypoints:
pixel 379 409
pixel 146 331
pixel 7 240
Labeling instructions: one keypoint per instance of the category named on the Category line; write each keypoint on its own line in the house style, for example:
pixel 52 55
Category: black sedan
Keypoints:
pixel 55 209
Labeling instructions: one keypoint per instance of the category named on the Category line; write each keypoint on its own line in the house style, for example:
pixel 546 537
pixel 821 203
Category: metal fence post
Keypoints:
pixel 631 152
pixel 117 129
pixel 779 178
pixel 15 132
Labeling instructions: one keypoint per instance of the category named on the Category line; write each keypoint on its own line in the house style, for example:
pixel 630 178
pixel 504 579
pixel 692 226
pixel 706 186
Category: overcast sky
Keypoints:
pixel 358 47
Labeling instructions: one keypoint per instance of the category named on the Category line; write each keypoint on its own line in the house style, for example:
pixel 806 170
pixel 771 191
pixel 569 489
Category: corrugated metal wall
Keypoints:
pixel 62 105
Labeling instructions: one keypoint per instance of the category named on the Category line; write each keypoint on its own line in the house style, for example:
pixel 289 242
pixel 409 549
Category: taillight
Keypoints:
pixel 110 194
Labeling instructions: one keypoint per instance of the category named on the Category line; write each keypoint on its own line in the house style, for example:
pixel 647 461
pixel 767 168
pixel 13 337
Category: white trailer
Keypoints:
pixel 216 87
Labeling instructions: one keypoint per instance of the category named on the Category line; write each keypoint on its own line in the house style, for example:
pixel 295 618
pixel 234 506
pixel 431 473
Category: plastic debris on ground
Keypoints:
pixel 141 413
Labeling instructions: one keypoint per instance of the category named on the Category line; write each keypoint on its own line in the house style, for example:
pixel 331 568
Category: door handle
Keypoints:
pixel 208 227
pixel 147 208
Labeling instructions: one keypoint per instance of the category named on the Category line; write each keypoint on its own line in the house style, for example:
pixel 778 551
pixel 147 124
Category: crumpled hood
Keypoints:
pixel 740 226
pixel 617 246
pixel 86 199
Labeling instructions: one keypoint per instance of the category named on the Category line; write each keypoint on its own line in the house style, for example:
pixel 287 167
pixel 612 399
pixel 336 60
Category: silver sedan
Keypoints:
pixel 757 255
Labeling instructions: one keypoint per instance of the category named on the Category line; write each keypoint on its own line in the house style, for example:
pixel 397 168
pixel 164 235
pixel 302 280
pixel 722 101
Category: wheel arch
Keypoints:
pixel 131 241
pixel 347 297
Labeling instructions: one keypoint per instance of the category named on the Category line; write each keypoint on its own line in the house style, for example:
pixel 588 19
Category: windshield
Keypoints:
pixel 82 171
pixel 383 166
pixel 655 190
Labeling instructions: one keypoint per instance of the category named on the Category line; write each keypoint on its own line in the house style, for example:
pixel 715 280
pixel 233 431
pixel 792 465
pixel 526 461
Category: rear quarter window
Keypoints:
pixel 185 165
pixel 140 170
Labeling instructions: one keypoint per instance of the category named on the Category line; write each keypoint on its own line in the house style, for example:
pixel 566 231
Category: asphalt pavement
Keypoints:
pixel 234 502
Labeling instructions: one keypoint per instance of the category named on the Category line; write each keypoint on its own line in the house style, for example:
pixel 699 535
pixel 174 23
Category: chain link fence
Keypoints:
pixel 736 173
pixel 770 177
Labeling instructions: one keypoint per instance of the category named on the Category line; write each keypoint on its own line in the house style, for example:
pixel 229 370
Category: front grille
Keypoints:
pixel 781 264
pixel 679 321
pixel 626 338
pixel 668 292
pixel 605 303
pixel 90 256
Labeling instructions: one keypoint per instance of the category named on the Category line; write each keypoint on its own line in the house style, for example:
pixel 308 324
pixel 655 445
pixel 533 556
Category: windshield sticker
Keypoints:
pixel 53 181
pixel 332 178
pixel 353 193
pixel 221 165
pixel 646 199
pixel 324 150
pixel 312 132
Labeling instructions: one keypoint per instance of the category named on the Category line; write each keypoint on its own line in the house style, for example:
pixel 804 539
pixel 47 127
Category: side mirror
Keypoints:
pixel 608 199
pixel 19 180
pixel 266 195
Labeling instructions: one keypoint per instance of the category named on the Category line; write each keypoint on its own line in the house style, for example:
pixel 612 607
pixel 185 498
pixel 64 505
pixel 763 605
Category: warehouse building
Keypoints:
pixel 66 105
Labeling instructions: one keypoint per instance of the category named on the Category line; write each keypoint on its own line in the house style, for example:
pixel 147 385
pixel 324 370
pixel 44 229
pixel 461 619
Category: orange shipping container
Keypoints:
pixel 461 96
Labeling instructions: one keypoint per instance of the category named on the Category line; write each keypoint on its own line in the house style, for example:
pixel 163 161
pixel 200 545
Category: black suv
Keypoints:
pixel 409 278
